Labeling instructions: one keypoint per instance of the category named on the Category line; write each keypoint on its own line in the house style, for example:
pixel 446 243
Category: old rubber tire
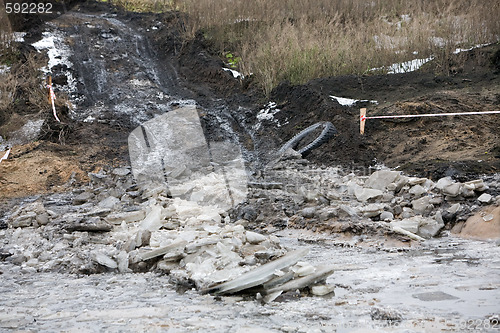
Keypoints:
pixel 326 134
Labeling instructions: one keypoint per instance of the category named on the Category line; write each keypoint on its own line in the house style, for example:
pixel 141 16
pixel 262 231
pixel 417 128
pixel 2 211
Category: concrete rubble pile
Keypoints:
pixel 304 196
pixel 116 225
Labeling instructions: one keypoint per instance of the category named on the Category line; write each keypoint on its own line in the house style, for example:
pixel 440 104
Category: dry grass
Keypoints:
pixel 154 6
pixel 298 40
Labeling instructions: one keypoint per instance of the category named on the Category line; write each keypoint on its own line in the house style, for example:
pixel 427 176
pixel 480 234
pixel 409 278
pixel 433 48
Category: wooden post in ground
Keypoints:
pixel 49 84
pixel 362 120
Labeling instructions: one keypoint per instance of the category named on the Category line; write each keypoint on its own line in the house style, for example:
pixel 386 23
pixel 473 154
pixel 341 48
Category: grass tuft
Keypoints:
pixel 298 40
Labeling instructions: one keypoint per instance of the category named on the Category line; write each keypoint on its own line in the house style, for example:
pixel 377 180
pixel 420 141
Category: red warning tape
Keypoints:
pixel 363 118
pixel 52 99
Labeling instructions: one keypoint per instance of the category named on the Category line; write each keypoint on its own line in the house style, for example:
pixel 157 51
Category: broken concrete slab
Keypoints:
pixel 321 274
pixel 92 224
pixel 430 227
pixel 152 253
pixel 422 205
pixel 365 194
pixel 104 260
pixel 258 275
pixel 127 217
pixel 381 179
pixel 485 198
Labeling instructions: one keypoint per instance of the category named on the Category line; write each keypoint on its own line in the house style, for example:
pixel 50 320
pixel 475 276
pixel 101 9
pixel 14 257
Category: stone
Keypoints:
pixel 302 269
pixel 488 218
pixel 429 227
pixel 308 212
pixel 320 274
pixel 422 205
pixel 381 179
pixel 439 217
pixel 25 220
pixel 104 260
pixel 485 198
pixel 322 290
pixel 373 210
pixel 365 194
pixel 407 213
pixel 152 221
pixel 43 218
pixel 386 216
pixel 254 238
pixel 417 190
pixel 109 202
pixel 410 224
pixel 444 182
pixel 328 213
pixel 387 197
pixel 149 254
pixel 467 192
pixel 452 190
pixel 258 275
pixel 127 217
pixel 348 210
pixel 123 261
pixel 478 185
pixel 120 171
pixel 416 181
pixel 407 233
pixel 436 200
pixel 333 195
pixel 455 208
pixel 93 224
pixel 82 198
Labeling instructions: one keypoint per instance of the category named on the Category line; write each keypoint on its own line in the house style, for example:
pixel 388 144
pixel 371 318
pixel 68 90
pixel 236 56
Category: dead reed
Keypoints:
pixel 298 40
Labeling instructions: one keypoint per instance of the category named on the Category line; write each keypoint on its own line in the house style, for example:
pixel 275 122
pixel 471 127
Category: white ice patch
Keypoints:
pixel 415 64
pixel 4 69
pixel 268 114
pixel 89 119
pixel 408 66
pixel 349 101
pixel 19 36
pixel 470 48
pixel 236 74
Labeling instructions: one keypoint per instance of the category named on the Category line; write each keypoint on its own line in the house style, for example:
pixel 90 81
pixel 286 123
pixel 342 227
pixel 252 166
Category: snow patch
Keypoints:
pixel 59 54
pixel 236 74
pixel 349 101
pixel 408 66
pixel 19 36
pixel 268 114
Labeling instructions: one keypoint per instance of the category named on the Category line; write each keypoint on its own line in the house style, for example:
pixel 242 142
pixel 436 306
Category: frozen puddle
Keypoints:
pixel 427 289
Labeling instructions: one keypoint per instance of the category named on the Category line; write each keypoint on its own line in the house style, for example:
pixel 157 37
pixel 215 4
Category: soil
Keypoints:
pixel 461 146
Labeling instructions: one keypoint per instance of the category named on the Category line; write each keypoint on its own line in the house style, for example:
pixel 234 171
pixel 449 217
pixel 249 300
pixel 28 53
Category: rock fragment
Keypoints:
pixel 485 198
pixel 381 179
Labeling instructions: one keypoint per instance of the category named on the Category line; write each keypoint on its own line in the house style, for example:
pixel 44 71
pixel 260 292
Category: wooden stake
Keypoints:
pixel 362 120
